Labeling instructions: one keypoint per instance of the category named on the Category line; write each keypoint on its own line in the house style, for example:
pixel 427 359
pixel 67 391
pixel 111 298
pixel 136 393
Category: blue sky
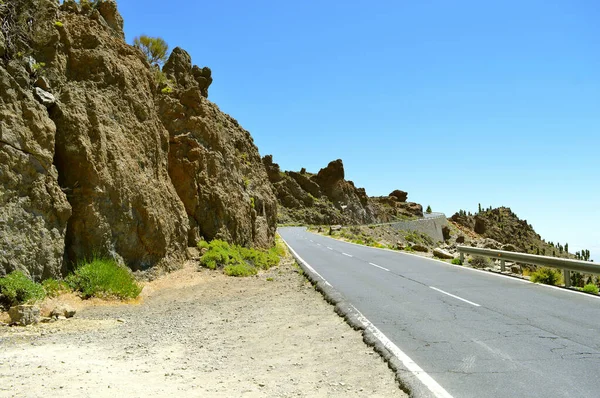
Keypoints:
pixel 456 102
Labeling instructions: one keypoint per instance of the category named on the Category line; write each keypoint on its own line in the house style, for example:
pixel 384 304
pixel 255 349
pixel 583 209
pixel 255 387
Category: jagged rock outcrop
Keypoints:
pixel 113 167
pixel 328 198
pixel 214 165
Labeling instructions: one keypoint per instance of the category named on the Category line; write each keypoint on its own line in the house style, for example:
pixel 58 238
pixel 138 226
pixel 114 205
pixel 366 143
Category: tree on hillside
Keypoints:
pixel 154 48
pixel 480 208
pixel 567 248
pixel 428 210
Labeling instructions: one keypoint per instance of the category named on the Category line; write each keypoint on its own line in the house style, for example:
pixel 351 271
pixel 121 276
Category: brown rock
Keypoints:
pixel 24 314
pixel 419 247
pixel 399 195
pixel 460 239
pixel 63 310
pixel 442 253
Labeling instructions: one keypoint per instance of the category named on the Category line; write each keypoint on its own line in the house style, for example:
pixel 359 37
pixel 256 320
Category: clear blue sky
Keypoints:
pixel 456 102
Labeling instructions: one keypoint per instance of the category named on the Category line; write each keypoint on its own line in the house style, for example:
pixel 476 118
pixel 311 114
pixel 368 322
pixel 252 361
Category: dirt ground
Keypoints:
pixel 198 334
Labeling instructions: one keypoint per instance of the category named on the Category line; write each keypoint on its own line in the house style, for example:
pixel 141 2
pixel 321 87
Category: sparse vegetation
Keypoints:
pixel 456 261
pixel 428 211
pixel 547 275
pixel 16 288
pixel 104 278
pixel 237 260
pixel 53 288
pixel 590 288
pixel 154 48
pixel 58 24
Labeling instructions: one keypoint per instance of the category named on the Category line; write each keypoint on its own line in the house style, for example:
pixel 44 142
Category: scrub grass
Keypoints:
pixel 104 278
pixel 237 260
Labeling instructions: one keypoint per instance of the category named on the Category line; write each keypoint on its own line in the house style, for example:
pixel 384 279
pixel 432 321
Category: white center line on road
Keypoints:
pixel 379 266
pixel 346 254
pixel 318 244
pixel 329 248
pixel 456 297
pixel 311 240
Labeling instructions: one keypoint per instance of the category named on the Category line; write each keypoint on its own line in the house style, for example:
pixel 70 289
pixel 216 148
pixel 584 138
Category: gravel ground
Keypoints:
pixel 198 334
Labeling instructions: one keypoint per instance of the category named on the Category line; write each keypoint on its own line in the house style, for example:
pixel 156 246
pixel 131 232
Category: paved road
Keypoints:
pixel 475 333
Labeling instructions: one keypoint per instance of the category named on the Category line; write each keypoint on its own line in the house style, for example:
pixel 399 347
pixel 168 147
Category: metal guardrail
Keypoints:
pixel 566 265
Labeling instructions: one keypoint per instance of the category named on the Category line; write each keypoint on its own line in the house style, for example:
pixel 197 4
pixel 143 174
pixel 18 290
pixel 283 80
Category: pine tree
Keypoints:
pixel 154 48
pixel 428 210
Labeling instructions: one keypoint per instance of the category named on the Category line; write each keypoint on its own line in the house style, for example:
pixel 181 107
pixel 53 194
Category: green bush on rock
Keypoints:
pixel 16 288
pixel 237 260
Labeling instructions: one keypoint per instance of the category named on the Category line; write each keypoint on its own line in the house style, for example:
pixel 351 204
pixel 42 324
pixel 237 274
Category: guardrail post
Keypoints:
pixel 462 258
pixel 567 275
pixel 502 265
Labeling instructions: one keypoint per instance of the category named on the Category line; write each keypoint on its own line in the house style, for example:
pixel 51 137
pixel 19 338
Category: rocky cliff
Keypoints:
pixel 328 198
pixel 97 160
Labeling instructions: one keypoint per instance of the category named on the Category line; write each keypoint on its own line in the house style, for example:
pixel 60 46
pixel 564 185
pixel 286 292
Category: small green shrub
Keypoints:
pixel 456 261
pixel 202 244
pixel 241 269
pixel 58 24
pixel 408 249
pixel 547 275
pixel 479 262
pixel 104 278
pixel 252 203
pixel 16 288
pixel 270 279
pixel 240 261
pixel 167 90
pixel 590 288
pixel 53 288
pixel 38 65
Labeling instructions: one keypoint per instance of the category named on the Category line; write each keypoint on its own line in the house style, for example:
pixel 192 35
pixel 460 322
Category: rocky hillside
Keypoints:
pixel 97 159
pixel 328 198
pixel 502 226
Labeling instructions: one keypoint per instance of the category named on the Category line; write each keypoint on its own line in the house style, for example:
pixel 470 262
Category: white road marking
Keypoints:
pixel 379 266
pixel 311 240
pixel 346 254
pixel 318 244
pixel 456 297
pixel 329 248
pixel 304 262
pixel 437 390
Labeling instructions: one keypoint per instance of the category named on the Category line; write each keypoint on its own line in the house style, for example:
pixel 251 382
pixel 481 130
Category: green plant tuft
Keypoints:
pixel 58 24
pixel 237 260
pixel 456 261
pixel 547 275
pixel 104 278
pixel 167 90
pixel 16 288
pixel 590 288
pixel 53 288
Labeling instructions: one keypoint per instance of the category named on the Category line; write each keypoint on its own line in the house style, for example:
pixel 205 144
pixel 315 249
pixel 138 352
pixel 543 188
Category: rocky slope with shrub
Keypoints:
pixel 97 158
pixel 501 228
pixel 328 198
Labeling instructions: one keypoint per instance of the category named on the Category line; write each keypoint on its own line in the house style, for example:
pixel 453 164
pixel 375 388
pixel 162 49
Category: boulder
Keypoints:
pixel 446 232
pixel 193 253
pixel 334 228
pixel 44 97
pixel 442 253
pixel 399 195
pixel 24 314
pixel 509 247
pixel 63 310
pixel 420 248
pixel 400 245
pixel 460 239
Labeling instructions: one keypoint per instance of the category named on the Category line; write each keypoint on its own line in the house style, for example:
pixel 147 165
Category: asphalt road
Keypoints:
pixel 475 333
